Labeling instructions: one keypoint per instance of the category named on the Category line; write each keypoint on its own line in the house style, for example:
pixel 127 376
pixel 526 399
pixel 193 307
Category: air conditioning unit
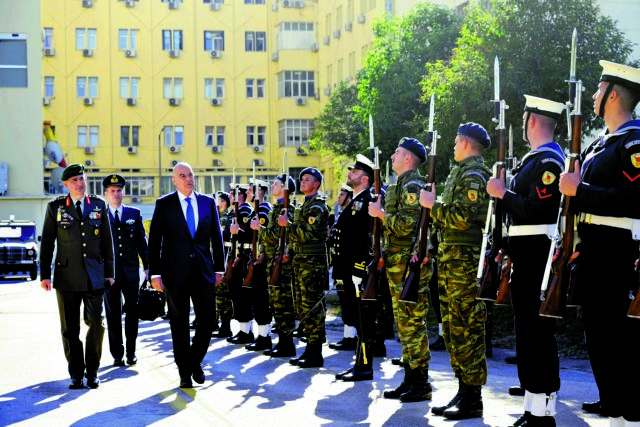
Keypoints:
pixel 327 91
pixel 129 3
pixel 130 53
pixel 315 47
pixel 131 102
pixel 274 7
pixel 301 101
pixel 87 3
pixel 275 56
pixel 287 3
pixel 258 162
pixel 49 51
pixel 326 40
pixel 298 3
pixel 216 149
pixel 316 96
pixel 174 163
pixel 216 102
pixel 216 162
pixel 88 101
pixel 258 148
pixel 89 150
pixel 361 18
pixel 46 100
pixel 215 6
pixel 174 149
pixel 337 34
pixel 89 163
pixel 136 200
pixel 301 151
pixel 132 150
pixel 173 5
pixel 174 53
pixel 87 53
pixel 348 26
pixel 174 102
pixel 215 54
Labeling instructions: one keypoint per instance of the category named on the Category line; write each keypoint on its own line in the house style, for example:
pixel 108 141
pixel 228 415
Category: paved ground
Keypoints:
pixel 242 388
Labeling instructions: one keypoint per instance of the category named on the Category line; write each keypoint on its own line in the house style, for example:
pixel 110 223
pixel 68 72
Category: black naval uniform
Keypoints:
pixel 531 203
pixel 609 192
pixel 242 310
pixel 84 258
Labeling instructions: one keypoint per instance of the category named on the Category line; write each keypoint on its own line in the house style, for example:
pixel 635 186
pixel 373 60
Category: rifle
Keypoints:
pixel 249 278
pixel 412 284
pixel 274 281
pixel 233 251
pixel 370 292
pixel 504 293
pixel 488 269
pixel 555 282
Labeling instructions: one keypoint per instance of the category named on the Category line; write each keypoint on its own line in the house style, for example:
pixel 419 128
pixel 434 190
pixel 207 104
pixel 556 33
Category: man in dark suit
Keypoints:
pixel 130 245
pixel 79 225
pixel 186 261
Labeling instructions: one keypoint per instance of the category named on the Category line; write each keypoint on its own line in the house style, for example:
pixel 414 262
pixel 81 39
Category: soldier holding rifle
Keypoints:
pixel 458 224
pixel 400 219
pixel 530 207
pixel 605 188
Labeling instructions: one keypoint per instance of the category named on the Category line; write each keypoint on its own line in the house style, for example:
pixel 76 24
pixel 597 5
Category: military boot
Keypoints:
pixel 363 369
pixel 261 343
pixel 420 388
pixel 294 361
pixel 284 348
pixel 469 406
pixel 439 410
pixel 404 386
pixel 314 357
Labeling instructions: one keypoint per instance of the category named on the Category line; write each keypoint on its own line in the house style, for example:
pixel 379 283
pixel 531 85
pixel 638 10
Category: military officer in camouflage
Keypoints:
pixel 458 220
pixel 308 236
pixel 400 218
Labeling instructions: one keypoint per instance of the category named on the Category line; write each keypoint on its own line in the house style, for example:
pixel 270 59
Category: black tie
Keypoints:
pixel 79 209
pixel 117 219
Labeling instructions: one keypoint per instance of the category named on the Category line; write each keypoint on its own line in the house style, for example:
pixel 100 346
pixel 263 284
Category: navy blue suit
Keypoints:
pixel 187 266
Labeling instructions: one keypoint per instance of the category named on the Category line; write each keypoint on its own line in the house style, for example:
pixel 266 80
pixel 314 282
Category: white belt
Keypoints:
pixel 630 224
pixel 246 246
pixel 531 230
pixel 227 244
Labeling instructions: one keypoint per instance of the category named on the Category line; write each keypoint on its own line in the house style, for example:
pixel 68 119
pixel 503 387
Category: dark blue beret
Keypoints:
pixel 74 169
pixel 476 132
pixel 415 147
pixel 292 183
pixel 114 180
pixel 313 172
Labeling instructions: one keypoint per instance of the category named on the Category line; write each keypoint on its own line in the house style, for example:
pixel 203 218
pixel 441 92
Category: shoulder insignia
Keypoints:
pixel 478 174
pixel 548 178
pixel 635 160
pixel 262 221
pixel 473 195
pixel 474 185
pixel 412 198
pixel 631 144
pixel 312 219
pixel 542 194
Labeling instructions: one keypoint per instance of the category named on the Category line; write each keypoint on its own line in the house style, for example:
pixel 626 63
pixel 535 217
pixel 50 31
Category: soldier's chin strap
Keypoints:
pixel 603 100
pixel 315 306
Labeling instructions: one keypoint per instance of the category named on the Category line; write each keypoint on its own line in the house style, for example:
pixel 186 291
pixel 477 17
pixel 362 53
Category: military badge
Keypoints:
pixel 245 220
pixel 312 220
pixel 262 221
pixel 473 195
pixel 59 216
pixel 96 231
pixel 411 198
pixel 130 221
pixel 548 178
pixel 635 160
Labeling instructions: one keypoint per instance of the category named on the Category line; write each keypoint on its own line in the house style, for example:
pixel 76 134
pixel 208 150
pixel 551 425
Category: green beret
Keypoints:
pixel 72 170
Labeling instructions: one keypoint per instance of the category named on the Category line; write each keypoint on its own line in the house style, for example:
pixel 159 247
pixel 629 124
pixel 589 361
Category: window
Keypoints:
pixel 213 88
pixel 129 87
pixel 13 60
pixel 172 88
pixel 49 86
pixel 85 38
pixel 139 186
pixel 173 135
pixel 253 1
pixel 87 136
pixel 256 135
pixel 255 41
pixel 255 88
pixel 214 40
pixel 47 38
pixel 86 87
pixel 171 1
pixel 294 133
pixel 213 135
pixel 129 136
pixel 298 27
pixel 127 39
pixel 171 39
pixel 296 84
pixel 212 1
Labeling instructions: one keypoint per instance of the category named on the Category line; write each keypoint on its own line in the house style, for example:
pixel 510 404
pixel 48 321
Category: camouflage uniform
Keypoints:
pixel 402 217
pixel 308 235
pixel 459 218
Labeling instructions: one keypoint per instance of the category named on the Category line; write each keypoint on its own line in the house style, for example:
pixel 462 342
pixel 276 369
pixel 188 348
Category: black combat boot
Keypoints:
pixel 439 410
pixel 284 348
pixel 294 361
pixel 404 386
pixel 261 343
pixel 469 406
pixel 523 418
pixel 420 388
pixel 224 331
pixel 314 357
pixel 363 369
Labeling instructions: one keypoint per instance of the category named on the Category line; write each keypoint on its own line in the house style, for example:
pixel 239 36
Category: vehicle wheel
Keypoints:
pixel 33 273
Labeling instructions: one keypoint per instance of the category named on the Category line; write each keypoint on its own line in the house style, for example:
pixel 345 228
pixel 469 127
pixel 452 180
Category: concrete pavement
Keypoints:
pixel 242 388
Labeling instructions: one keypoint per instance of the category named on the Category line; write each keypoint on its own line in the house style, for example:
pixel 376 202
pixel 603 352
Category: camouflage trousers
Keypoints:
pixel 224 306
pixel 310 272
pixel 463 317
pixel 281 299
pixel 411 318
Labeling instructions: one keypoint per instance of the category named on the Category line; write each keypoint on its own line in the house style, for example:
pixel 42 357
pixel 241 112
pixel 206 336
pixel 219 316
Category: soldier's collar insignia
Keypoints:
pixel 548 178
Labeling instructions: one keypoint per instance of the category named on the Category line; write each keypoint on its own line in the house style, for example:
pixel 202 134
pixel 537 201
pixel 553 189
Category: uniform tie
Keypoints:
pixel 79 209
pixel 191 220
pixel 117 219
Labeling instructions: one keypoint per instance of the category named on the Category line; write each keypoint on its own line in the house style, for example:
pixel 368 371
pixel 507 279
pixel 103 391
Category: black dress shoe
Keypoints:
pixel 594 408
pixel 93 382
pixel 396 361
pixel 511 360
pixel 118 362
pixel 241 338
pixel 132 360
pixel 198 374
pixel 523 419
pixel 222 333
pixel 342 374
pixel 261 343
pixel 76 384
pixel 185 383
pixel 438 345
pixel 348 344
pixel 516 390
pixel 360 373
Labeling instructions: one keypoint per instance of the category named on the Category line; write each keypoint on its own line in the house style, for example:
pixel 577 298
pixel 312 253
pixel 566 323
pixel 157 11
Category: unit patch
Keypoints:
pixel 411 198
pixel 548 178
pixel 312 219
pixel 473 195
pixel 635 160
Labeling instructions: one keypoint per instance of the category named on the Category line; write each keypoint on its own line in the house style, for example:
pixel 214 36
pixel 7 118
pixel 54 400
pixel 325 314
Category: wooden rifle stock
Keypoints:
pixel 274 281
pixel 504 294
pixel 370 292
pixel 249 278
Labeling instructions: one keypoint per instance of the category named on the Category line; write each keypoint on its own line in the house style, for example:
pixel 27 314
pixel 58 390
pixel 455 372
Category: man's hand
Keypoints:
pixel 111 280
pixel 376 210
pixel 283 220
pixel 569 181
pixel 255 224
pixel 46 284
pixel 496 186
pixel 234 228
pixel 218 278
pixel 156 283
pixel 427 198
pixel 146 274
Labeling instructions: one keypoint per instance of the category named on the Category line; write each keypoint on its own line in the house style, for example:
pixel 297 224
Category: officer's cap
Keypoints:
pixel 623 75
pixel 544 107
pixel 114 180
pixel 224 196
pixel 313 172
pixel 291 182
pixel 475 132
pixel 74 169
pixel 364 165
pixel 415 147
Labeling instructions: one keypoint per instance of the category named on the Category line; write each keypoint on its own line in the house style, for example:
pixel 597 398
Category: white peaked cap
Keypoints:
pixel 544 107
pixel 623 75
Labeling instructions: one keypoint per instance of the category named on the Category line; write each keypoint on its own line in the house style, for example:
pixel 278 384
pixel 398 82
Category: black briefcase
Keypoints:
pixel 150 302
